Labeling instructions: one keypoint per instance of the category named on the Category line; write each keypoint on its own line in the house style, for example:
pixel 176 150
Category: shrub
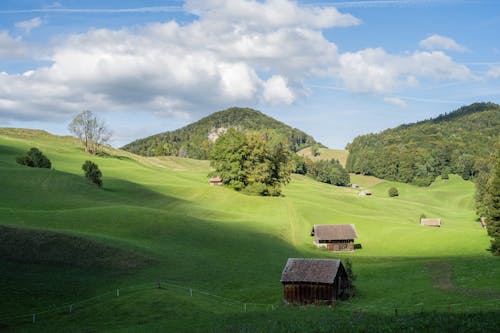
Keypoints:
pixel 393 192
pixel 92 172
pixel 34 158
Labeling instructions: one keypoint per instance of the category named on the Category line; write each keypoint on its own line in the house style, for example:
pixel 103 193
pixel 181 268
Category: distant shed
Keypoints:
pixel 334 237
pixel 433 222
pixel 215 181
pixel 314 281
pixel 364 193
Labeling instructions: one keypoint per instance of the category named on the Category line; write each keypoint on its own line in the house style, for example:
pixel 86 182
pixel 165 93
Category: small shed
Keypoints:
pixel 354 186
pixel 216 181
pixel 314 281
pixel 334 237
pixel 433 222
pixel 364 193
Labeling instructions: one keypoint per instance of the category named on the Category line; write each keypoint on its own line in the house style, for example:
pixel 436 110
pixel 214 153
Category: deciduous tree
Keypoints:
pixel 91 130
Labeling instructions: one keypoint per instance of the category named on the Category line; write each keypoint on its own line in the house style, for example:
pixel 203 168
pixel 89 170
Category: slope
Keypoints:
pixel 196 140
pixel 417 153
pixel 227 248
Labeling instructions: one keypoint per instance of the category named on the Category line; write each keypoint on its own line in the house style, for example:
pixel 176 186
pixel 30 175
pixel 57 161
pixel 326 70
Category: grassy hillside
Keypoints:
pixel 218 254
pixel 417 153
pixel 325 154
pixel 196 140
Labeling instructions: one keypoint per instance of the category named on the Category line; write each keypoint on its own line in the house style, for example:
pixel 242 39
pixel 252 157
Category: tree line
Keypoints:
pixel 418 153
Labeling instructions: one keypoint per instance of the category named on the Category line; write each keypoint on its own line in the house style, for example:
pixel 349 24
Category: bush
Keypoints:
pixel 92 172
pixel 393 192
pixel 34 158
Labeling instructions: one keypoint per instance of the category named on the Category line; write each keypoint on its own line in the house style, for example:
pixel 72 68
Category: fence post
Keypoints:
pixel 117 292
pixel 34 318
pixel 191 292
pixel 245 307
pixel 71 308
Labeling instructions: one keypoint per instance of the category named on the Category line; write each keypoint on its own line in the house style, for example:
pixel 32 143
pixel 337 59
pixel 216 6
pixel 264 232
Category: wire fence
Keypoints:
pixel 237 305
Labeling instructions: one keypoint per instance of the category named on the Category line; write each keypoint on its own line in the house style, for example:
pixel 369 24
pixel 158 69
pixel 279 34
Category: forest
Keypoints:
pixel 418 153
pixel 197 139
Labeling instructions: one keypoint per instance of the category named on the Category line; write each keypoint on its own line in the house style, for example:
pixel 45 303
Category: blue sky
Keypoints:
pixel 335 69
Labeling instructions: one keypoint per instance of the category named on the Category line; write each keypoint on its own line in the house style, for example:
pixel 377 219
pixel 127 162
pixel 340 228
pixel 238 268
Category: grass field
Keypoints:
pixel 210 259
pixel 325 154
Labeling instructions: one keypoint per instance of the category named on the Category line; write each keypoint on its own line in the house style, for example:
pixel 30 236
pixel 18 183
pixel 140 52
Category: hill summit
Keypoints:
pixel 196 140
pixel 417 153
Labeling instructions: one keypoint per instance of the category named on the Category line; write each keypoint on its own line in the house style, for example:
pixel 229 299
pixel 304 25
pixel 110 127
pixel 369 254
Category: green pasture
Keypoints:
pixel 216 254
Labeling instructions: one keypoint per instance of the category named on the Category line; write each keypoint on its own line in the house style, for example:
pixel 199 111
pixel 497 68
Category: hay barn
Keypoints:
pixel 434 222
pixel 334 237
pixel 314 281
pixel 215 181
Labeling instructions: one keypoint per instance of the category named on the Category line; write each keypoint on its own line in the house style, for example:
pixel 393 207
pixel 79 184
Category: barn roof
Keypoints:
pixel 434 222
pixel 334 231
pixel 310 270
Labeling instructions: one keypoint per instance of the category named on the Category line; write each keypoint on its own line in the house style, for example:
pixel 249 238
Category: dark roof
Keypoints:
pixel 334 231
pixel 310 270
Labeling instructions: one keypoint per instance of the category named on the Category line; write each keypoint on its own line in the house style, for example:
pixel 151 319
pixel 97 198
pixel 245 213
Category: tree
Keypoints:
pixel 92 172
pixel 351 277
pixel 34 158
pixel 393 192
pixel 492 205
pixel 250 163
pixel 90 130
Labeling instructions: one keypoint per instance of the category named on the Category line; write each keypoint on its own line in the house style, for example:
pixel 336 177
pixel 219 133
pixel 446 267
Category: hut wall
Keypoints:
pixel 309 293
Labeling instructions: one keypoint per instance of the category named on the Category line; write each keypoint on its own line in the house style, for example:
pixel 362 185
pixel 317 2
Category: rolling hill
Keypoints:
pixel 196 140
pixel 417 153
pixel 209 259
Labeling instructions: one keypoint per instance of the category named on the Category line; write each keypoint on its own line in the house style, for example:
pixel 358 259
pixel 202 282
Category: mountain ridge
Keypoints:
pixel 196 139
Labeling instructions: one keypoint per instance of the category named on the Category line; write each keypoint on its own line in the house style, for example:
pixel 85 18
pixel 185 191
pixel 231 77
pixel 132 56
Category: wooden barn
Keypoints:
pixel 215 181
pixel 434 222
pixel 314 281
pixel 334 237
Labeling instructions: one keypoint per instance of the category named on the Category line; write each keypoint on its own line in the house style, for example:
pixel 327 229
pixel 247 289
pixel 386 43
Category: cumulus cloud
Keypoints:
pixel 374 70
pixel 437 42
pixel 271 13
pixel 494 72
pixel 29 25
pixel 10 47
pixel 276 91
pixel 395 101
pixel 234 53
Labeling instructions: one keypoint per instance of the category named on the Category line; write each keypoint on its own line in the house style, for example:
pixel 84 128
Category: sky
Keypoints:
pixel 334 69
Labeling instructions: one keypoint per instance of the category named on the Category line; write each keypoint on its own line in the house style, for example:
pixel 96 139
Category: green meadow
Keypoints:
pixel 159 250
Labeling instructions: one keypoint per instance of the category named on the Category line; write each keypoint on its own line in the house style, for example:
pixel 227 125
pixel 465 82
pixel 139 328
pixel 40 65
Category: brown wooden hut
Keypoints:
pixel 215 181
pixel 314 281
pixel 334 237
pixel 434 222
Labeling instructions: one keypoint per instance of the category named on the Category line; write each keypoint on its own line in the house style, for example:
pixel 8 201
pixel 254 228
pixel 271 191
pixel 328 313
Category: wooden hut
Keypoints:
pixel 364 193
pixel 334 237
pixel 215 181
pixel 314 281
pixel 434 222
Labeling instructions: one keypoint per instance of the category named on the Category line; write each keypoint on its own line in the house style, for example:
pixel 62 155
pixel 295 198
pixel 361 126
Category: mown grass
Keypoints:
pixel 225 243
pixel 325 154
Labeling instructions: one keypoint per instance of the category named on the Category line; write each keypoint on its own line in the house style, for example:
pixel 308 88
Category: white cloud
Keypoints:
pixel 29 25
pixel 374 70
pixel 276 91
pixel 494 72
pixel 437 42
pixel 270 13
pixel 11 48
pixel 235 53
pixel 395 101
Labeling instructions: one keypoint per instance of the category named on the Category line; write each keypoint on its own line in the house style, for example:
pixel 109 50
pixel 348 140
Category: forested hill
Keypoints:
pixel 417 153
pixel 196 140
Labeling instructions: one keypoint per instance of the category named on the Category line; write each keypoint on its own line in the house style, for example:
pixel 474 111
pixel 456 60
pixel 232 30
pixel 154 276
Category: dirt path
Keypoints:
pixel 442 278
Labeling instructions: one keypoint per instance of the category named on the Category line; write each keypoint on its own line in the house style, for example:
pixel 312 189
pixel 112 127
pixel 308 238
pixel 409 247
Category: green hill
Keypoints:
pixel 325 154
pixel 196 140
pixel 209 259
pixel 417 153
